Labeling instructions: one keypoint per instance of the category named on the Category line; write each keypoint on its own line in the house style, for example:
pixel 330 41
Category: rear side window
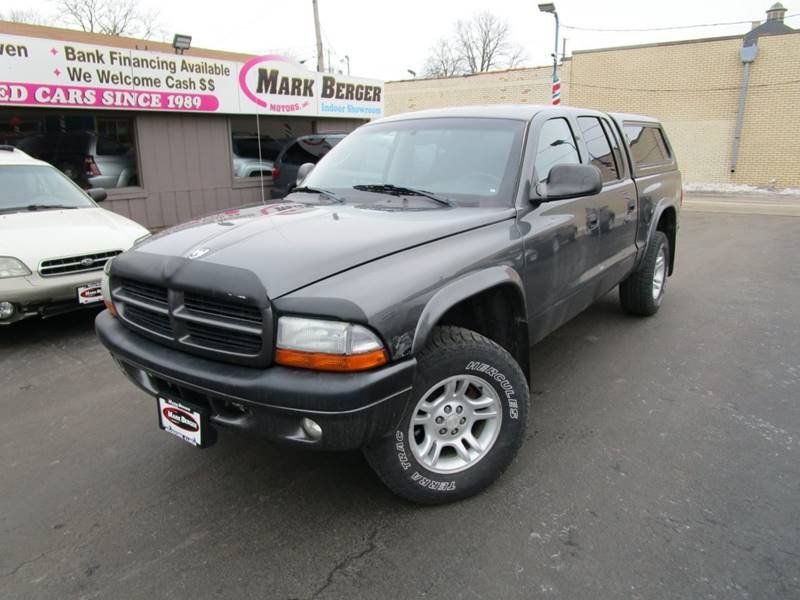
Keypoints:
pixel 556 147
pixel 108 147
pixel 611 134
pixel 310 149
pixel 599 148
pixel 647 143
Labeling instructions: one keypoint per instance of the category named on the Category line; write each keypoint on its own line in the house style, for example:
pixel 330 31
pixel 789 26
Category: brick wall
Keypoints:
pixel 692 86
pixel 524 86
pixel 771 134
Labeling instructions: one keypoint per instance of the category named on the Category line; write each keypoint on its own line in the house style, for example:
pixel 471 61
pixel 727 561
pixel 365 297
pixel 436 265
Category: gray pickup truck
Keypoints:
pixel 390 302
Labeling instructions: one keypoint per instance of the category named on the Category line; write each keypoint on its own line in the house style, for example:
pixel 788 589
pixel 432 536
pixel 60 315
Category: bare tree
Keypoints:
pixel 443 61
pixel 484 43
pixel 480 44
pixel 515 56
pixel 22 15
pixel 110 17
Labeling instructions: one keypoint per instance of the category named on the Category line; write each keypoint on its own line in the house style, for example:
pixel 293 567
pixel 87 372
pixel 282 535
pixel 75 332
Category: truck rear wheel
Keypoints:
pixel 463 425
pixel 642 292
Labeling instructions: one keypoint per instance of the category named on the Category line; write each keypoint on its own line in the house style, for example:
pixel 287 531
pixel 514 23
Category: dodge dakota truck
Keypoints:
pixel 389 303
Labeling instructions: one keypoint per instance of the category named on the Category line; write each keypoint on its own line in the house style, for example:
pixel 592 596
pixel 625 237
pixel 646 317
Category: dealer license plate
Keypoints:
pixel 90 293
pixel 184 421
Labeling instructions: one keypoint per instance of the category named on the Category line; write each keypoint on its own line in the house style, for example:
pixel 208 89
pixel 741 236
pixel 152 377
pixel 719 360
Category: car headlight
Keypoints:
pixel 105 287
pixel 327 345
pixel 12 267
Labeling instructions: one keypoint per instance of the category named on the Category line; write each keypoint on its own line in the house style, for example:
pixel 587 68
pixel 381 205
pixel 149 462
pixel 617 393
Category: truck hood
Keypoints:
pixel 288 245
pixel 33 236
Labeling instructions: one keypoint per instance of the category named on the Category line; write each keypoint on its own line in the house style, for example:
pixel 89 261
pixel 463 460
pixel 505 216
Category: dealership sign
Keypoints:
pixel 53 73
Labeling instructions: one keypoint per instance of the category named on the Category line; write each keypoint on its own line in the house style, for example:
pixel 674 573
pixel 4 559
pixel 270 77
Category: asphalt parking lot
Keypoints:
pixel 663 461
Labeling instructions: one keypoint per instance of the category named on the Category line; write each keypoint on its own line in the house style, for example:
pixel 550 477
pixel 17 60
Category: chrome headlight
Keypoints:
pixel 327 345
pixel 12 267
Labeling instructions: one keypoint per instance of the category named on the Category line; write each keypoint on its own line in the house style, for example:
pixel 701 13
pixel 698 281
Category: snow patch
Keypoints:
pixel 739 188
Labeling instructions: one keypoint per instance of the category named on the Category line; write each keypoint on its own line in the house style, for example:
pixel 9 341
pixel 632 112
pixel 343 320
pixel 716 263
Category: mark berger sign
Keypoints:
pixel 42 72
pixel 274 83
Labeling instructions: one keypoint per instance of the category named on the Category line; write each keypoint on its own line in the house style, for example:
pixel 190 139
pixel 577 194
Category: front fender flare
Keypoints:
pixel 460 289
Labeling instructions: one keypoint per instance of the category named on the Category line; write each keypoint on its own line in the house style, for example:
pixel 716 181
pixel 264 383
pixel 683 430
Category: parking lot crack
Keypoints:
pixel 16 569
pixel 347 561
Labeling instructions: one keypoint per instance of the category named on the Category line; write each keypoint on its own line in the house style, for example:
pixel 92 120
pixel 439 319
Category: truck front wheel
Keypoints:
pixel 642 292
pixel 463 425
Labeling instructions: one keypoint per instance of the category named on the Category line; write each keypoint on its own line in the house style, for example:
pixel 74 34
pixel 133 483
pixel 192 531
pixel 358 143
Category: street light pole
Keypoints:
pixel 320 60
pixel 549 7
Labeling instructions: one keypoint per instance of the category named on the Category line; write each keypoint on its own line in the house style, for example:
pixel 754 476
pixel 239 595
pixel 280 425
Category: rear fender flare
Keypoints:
pixel 663 205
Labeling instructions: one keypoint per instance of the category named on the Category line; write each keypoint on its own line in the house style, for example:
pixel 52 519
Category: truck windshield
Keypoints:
pixel 38 187
pixel 467 161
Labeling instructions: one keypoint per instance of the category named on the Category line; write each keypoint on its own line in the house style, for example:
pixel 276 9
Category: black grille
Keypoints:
pixel 144 292
pixel 152 321
pixel 220 339
pixel 215 308
pixel 212 326
pixel 83 263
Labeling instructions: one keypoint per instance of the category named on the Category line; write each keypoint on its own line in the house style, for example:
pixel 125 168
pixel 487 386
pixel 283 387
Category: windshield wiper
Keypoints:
pixel 33 207
pixel 311 190
pixel 396 190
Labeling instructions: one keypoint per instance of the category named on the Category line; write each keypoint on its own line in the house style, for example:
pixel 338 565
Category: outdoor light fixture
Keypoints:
pixel 181 42
pixel 412 73
pixel 555 98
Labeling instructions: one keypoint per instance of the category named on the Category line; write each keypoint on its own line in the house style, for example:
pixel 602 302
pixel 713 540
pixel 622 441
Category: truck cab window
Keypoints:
pixel 599 149
pixel 647 144
pixel 611 134
pixel 556 147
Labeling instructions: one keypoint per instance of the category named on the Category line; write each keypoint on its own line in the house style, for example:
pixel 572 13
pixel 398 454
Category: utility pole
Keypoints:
pixel 549 7
pixel 320 61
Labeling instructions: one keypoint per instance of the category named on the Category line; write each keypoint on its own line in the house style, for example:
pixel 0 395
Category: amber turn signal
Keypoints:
pixel 319 361
pixel 110 306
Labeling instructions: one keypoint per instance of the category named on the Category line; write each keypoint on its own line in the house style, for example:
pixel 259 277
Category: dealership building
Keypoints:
pixel 729 104
pixel 171 136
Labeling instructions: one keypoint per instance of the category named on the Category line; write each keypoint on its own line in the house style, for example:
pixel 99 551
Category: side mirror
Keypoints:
pixel 303 172
pixel 97 194
pixel 568 181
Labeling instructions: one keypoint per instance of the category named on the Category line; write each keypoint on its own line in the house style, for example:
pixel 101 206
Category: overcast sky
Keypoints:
pixel 384 39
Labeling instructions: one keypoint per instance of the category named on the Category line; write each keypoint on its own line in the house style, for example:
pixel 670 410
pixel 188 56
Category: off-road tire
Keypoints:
pixel 451 353
pixel 636 292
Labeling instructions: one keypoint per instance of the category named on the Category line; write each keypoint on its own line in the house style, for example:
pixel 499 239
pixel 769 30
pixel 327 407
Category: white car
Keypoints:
pixel 54 239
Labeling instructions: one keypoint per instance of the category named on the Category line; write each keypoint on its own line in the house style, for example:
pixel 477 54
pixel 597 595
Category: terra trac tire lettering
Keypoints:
pixel 464 421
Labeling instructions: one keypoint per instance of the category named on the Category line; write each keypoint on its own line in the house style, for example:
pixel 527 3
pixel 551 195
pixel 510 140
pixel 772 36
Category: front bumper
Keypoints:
pixel 351 408
pixel 34 295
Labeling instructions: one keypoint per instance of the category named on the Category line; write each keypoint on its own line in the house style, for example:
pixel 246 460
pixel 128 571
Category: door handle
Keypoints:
pixel 592 221
pixel 631 205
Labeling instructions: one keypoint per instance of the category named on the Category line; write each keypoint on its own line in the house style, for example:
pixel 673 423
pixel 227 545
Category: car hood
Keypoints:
pixel 33 236
pixel 288 245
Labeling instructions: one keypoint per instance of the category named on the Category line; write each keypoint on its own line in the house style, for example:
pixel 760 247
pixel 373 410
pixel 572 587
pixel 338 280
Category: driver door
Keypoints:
pixel 560 250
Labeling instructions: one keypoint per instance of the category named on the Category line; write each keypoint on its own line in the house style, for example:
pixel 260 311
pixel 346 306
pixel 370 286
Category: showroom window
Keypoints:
pixel 92 149
pixel 275 133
